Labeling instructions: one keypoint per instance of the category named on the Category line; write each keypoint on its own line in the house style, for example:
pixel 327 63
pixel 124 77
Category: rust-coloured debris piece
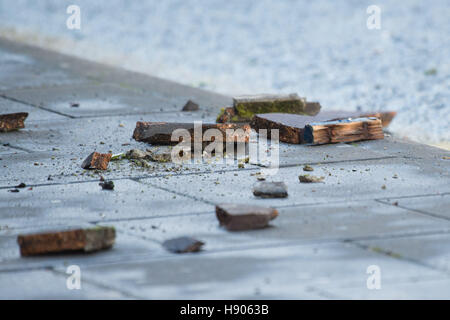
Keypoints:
pixel 245 107
pixel 291 126
pixel 86 240
pixel 236 217
pixel 97 161
pixel 266 189
pixel 183 245
pixel 161 132
pixel 347 130
pixel 190 106
pixel 12 121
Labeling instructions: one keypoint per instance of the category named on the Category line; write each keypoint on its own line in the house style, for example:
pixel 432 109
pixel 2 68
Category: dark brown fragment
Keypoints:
pixel 86 240
pixel 97 160
pixel 12 121
pixel 161 132
pixel 190 106
pixel 236 217
pixel 183 245
pixel 349 130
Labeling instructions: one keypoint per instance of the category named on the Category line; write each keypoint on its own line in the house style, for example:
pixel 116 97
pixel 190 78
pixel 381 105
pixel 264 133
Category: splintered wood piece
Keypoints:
pixel 86 240
pixel 347 130
pixel 235 217
pixel 12 121
pixel 266 189
pixel 291 126
pixel 161 132
pixel 247 106
pixel 97 160
pixel 183 245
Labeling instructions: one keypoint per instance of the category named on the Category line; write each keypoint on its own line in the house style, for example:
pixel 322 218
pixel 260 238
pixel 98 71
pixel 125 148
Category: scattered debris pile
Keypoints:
pixel 12 121
pixel 86 240
pixel 239 217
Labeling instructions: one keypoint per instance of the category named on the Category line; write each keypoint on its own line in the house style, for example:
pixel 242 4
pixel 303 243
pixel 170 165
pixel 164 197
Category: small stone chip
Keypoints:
pixel 307 178
pixel 238 217
pixel 190 106
pixel 86 240
pixel 97 160
pixel 308 168
pixel 107 185
pixel 266 189
pixel 183 245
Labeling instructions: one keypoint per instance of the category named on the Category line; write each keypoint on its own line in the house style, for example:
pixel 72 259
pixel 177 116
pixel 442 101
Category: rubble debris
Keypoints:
pixel 183 245
pixel 291 126
pixel 14 190
pixel 74 104
pixel 307 178
pixel 137 154
pixel 160 133
pixel 87 240
pixel 266 189
pixel 107 185
pixel 21 185
pixel 308 168
pixel 245 107
pixel 190 106
pixel 12 121
pixel 237 217
pixel 347 130
pixel 97 160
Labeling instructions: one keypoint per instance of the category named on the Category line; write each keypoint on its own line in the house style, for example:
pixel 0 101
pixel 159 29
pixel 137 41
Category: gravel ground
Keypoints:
pixel 322 49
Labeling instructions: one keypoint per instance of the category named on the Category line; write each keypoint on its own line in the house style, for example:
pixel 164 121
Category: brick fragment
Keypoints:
pixel 97 161
pixel 86 240
pixel 12 121
pixel 267 189
pixel 236 217
pixel 190 106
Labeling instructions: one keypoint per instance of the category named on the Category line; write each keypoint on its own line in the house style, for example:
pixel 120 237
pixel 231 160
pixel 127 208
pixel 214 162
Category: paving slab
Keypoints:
pixel 19 70
pixel 311 223
pixel 432 249
pixel 295 272
pixel 34 114
pixel 88 202
pixel 344 181
pixel 126 248
pixel 45 284
pixel 438 205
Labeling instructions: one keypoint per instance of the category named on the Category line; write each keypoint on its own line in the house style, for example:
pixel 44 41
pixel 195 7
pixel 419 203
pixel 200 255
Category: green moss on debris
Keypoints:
pixel 247 110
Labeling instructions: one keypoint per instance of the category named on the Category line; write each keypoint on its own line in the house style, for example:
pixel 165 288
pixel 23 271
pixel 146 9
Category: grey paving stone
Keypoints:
pixel 19 70
pixel 85 202
pixel 34 114
pixel 438 205
pixel 343 182
pixel 436 289
pixel 294 272
pixel 431 249
pixel 44 284
pixel 327 222
pixel 126 248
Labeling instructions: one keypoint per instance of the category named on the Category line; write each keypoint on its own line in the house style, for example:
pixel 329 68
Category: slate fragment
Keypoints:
pixel 86 240
pixel 346 130
pixel 291 126
pixel 183 245
pixel 12 121
pixel 107 185
pixel 238 217
pixel 97 160
pixel 160 133
pixel 267 189
pixel 190 106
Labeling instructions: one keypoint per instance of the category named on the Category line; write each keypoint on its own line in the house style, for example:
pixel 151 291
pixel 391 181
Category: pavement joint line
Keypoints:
pixel 415 196
pixel 36 106
pixel 7 144
pixel 397 256
pixel 428 214
pixel 94 283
